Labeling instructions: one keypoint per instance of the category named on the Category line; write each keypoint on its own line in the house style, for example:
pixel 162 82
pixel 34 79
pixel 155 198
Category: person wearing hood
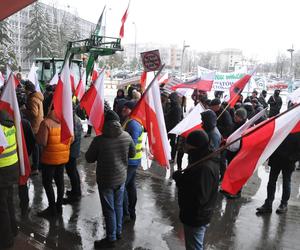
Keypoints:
pixel 249 108
pixel 197 189
pixel 209 121
pixel 135 129
pixel 9 174
pixel 275 103
pixel 111 151
pixel 262 99
pixel 35 114
pixel 173 117
pixel 54 156
pixel 258 108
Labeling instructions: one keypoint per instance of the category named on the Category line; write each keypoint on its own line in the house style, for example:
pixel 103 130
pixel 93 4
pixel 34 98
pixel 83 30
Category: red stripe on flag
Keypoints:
pixel 253 145
pixel 236 89
pixel 187 132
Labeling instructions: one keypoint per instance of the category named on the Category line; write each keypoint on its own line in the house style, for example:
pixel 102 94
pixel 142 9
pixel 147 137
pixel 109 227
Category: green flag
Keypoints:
pixel 99 24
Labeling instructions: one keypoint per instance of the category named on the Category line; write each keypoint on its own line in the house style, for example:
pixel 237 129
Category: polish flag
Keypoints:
pixel 143 80
pixel 54 79
pixel 149 112
pixel 203 83
pixel 80 90
pixel 62 101
pixel 33 77
pixel 190 123
pixel 164 79
pixel 93 103
pixel 258 144
pixel 3 141
pixel 72 80
pixel 294 97
pixel 123 20
pixel 1 80
pixel 237 88
pixel 9 103
pixel 95 74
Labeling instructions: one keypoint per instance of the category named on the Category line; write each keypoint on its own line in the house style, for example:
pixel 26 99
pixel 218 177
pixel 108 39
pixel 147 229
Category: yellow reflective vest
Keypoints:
pixel 138 145
pixel 10 155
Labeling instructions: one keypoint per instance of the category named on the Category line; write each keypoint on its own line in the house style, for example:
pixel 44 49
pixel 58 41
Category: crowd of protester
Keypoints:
pixel 118 153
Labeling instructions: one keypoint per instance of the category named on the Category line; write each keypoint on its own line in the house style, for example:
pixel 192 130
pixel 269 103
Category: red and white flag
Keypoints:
pixel 33 77
pixel 143 80
pixel 164 79
pixel 62 101
pixel 54 79
pixel 9 103
pixel 190 123
pixel 123 20
pixel 258 144
pixel 237 88
pixel 80 90
pixel 1 80
pixel 203 83
pixel 93 103
pixel 3 141
pixel 149 112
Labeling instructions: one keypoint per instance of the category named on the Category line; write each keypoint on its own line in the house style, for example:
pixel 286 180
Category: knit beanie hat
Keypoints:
pixel 130 104
pixel 111 116
pixel 241 113
pixel 215 101
pixel 198 139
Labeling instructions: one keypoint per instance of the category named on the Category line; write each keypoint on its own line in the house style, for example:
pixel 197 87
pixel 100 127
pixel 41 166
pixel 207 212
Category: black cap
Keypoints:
pixel 111 116
pixel 215 101
pixel 29 86
pixel 130 104
pixel 198 139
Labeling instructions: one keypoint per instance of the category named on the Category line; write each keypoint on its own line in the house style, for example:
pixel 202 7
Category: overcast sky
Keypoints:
pixel 261 28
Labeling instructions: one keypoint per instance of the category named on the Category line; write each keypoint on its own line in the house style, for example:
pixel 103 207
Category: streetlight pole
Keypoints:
pixel 291 75
pixel 181 65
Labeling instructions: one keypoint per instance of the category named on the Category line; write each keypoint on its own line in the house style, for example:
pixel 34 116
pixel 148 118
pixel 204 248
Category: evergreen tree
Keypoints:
pixel 7 53
pixel 37 31
pixel 64 33
pixel 75 34
pixel 53 36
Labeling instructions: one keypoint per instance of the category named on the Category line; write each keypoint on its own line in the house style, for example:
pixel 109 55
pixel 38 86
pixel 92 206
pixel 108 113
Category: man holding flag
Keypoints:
pixel 9 175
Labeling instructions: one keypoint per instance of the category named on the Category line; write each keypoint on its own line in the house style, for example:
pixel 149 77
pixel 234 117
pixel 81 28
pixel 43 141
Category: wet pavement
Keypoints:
pixel 234 226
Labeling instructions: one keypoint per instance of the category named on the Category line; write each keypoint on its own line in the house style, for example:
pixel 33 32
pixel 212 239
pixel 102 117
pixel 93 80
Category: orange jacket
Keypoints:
pixel 54 152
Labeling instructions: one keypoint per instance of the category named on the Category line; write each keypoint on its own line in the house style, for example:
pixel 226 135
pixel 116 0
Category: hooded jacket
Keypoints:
pixel 209 120
pixel 174 112
pixel 35 110
pixel 111 150
pixel 275 103
pixel 8 175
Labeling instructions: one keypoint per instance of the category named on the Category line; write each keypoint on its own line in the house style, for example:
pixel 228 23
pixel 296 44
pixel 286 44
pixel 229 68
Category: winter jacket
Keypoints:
pixel 287 153
pixel 174 113
pixel 8 175
pixel 75 146
pixel 29 136
pixel 224 123
pixel 35 110
pixel 275 103
pixel 209 120
pixel 262 101
pixel 111 150
pixel 197 192
pixel 258 109
pixel 54 152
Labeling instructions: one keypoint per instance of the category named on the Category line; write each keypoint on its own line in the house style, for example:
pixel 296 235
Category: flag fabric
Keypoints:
pixel 62 101
pixel 294 97
pixel 54 79
pixel 95 74
pixel 123 20
pixel 149 112
pixel 9 103
pixel 258 144
pixel 99 23
pixel 33 77
pixel 80 90
pixel 143 80
pixel 3 141
pixel 93 103
pixel 236 89
pixel 203 83
pixel 1 80
pixel 238 133
pixel 190 123
pixel 164 79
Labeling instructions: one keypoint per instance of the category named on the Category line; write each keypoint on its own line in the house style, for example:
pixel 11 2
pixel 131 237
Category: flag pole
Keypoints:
pixel 246 134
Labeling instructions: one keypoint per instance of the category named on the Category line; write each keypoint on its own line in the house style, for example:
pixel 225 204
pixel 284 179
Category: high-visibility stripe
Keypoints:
pixel 10 155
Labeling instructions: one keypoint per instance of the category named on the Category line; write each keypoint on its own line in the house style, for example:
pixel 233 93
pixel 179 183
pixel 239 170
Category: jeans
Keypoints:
pixel 112 208
pixel 130 197
pixel 71 168
pixel 194 237
pixel 48 173
pixel 286 183
pixel 23 196
pixel 36 157
pixel 8 226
